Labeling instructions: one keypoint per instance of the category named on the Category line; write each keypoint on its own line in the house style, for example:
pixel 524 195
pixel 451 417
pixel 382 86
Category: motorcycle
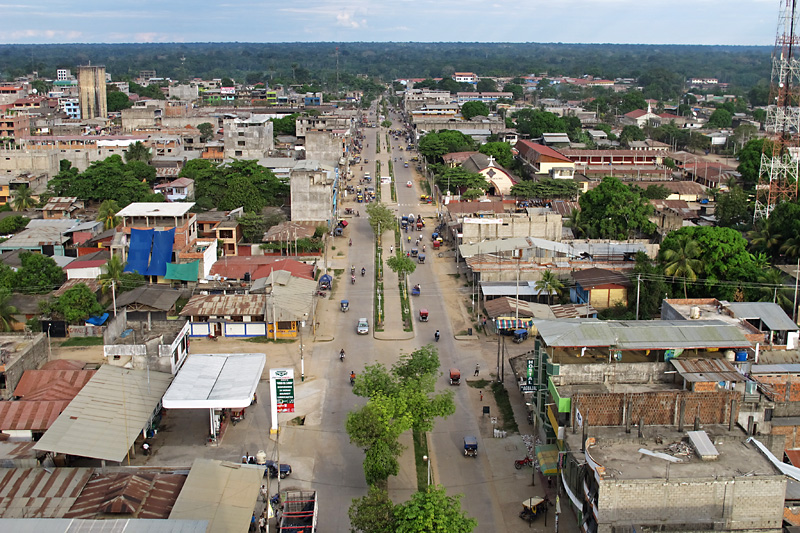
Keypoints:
pixel 352 378
pixel 353 280
pixel 363 272
pixel 523 462
pixel 352 270
pixel 341 355
pixel 436 335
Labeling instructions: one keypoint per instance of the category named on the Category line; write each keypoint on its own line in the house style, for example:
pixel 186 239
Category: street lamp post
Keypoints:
pixel 428 460
pixel 302 358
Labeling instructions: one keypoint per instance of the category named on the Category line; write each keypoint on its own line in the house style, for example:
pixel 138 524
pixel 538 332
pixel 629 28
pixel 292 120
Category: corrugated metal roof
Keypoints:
pixel 35 493
pixel 52 384
pixel 769 313
pixel 159 298
pixel 641 334
pixel 788 368
pixel 216 381
pixel 31 416
pixel 215 305
pixel 128 525
pixel 140 495
pixel 706 370
pixel 222 493
pixel 107 415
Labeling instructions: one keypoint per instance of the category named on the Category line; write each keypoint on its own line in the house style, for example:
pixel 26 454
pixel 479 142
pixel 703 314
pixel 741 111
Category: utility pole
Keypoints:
pixel 638 289
pixel 794 305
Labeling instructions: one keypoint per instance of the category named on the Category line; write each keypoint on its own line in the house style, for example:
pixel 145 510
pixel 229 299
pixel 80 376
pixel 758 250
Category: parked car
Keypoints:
pixel 270 467
pixel 363 326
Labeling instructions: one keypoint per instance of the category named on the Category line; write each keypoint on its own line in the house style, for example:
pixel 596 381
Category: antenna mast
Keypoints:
pixel 778 174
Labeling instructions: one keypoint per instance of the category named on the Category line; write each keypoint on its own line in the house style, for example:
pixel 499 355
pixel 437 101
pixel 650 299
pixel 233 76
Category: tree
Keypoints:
pixel 459 179
pixel 435 144
pixel 23 199
pixel 109 179
pixel 206 131
pixel 38 274
pixel 733 208
pixel 474 108
pixel 253 227
pixel 77 303
pixel 612 210
pixel 681 261
pixel 450 85
pixel 285 125
pixel 500 151
pixel 7 311
pixel 655 192
pixel 373 513
pixel 107 214
pixel 535 122
pixel 720 118
pixel 241 192
pixel 381 218
pixel 775 288
pixel 631 133
pixel 514 89
pixel 550 284
pixel 13 224
pixel 486 85
pixel 750 161
pixel 401 265
pixel 652 289
pixel 114 270
pixel 545 189
pixel 432 510
pixel 116 101
pixel 138 152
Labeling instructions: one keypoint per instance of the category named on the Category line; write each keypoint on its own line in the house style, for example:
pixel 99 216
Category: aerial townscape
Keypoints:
pixel 380 287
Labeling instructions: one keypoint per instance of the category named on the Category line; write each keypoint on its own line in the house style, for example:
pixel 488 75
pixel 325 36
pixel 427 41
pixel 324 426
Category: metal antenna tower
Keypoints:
pixel 778 174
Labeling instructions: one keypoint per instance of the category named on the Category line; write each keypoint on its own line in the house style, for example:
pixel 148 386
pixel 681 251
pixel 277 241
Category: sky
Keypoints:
pixel 723 22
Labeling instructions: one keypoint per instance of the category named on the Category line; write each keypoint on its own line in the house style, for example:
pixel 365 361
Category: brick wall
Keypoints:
pixel 657 408
pixel 734 504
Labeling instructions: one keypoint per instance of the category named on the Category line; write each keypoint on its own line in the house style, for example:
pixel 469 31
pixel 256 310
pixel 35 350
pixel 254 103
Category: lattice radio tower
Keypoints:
pixel 778 174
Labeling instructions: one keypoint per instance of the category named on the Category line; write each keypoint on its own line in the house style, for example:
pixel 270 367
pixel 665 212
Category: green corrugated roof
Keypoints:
pixel 183 271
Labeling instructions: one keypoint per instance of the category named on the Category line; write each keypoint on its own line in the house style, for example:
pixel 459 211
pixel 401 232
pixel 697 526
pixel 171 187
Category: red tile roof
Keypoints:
pixel 541 149
pixel 63 364
pixel 636 113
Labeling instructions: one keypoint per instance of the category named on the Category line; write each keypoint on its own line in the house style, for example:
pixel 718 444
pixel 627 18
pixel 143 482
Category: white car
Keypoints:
pixel 363 326
pixel 409 184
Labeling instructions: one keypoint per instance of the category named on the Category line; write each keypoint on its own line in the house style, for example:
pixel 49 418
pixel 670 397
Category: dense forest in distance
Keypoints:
pixel 741 66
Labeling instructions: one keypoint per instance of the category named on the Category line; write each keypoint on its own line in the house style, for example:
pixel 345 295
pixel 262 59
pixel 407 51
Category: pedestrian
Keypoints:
pixel 391 250
pixel 477 368
pixel 481 395
pixel 262 524
pixel 264 494
pixel 146 448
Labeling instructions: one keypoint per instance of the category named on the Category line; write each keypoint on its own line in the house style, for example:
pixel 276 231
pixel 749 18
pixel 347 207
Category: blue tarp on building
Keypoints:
pixel 162 252
pixel 139 251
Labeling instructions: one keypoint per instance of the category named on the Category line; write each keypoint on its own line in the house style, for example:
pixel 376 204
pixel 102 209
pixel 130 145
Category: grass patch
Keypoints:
pixel 504 406
pixel 179 305
pixel 265 339
pixel 421 450
pixel 479 383
pixel 456 275
pixel 83 341
pixel 338 272
pixel 297 421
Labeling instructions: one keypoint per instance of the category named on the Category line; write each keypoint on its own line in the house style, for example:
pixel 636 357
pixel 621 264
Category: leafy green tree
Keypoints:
pixel 140 171
pixel 631 101
pixel 500 151
pixel 750 161
pixel 116 101
pixel 759 95
pixel 242 193
pixel 38 274
pixel 760 115
pixel 373 513
pixel 721 118
pixel 550 284
pixel 13 224
pixel 7 311
pixel 77 303
pixel 545 189
pixel 107 214
pixel 381 217
pixel 514 89
pixel 109 179
pixel 733 208
pixel 681 261
pixel 486 85
pixel 652 288
pixel 138 152
pixel 776 288
pixel 401 265
pixel 435 144
pixel 285 125
pixel 450 85
pixel 631 133
pixel 612 210
pixel 253 227
pixel 535 122
pixel 386 124
pixel 654 192
pixel 22 198
pixel 206 131
pixel 432 510
pixel 474 109
pixel 152 92
pixel 459 179
pixel 472 194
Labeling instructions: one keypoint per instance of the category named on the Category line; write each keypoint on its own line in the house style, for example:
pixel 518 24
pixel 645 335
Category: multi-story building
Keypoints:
pixel 63 74
pixel 466 77
pixel 70 106
pixel 314 192
pixel 92 89
pixel 248 138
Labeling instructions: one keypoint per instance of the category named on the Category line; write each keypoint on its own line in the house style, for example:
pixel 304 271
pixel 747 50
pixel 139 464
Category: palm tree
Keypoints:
pixel 138 152
pixel 791 247
pixel 775 288
pixel 765 240
pixel 551 284
pixel 114 271
pixel 682 262
pixel 23 199
pixel 107 214
pixel 7 311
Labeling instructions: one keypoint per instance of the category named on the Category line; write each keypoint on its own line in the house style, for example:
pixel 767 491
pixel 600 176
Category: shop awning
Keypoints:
pixel 512 323
pixel 547 455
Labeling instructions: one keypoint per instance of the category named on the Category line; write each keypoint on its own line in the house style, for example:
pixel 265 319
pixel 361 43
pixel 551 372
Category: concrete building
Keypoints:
pixel 92 89
pixel 314 191
pixel 537 222
pixel 600 288
pixel 63 74
pixel 160 217
pixel 540 160
pixel 248 138
pixel 14 126
pixel 20 353
pixel 16 162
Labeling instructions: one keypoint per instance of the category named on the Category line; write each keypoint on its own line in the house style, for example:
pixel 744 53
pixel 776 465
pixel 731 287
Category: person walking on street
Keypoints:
pixel 477 368
pixel 264 494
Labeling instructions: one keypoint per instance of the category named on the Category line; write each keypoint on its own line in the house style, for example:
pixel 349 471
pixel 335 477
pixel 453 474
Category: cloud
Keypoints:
pixel 38 34
pixel 346 20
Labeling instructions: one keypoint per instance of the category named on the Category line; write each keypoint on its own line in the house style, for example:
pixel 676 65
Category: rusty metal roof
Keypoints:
pixel 225 305
pixel 142 495
pixel 37 493
pixel 706 370
pixel 32 416
pixel 49 385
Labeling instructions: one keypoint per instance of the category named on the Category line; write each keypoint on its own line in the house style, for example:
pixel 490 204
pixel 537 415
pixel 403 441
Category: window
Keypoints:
pixel 240 143
pixel 237 153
